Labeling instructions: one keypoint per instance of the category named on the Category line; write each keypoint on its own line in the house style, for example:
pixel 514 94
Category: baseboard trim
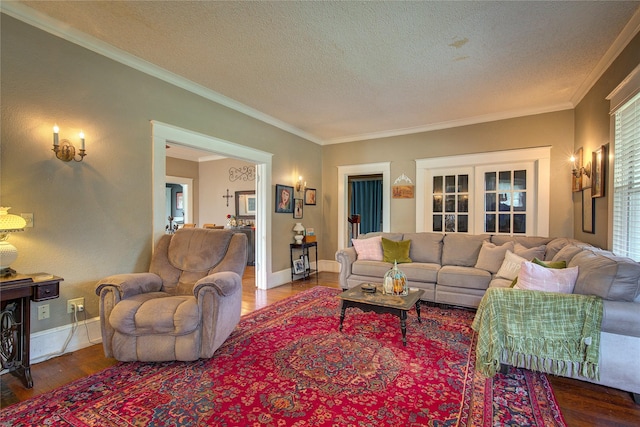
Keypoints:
pixel 49 343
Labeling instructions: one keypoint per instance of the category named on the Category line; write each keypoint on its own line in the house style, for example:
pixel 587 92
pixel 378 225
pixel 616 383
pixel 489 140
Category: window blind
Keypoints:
pixel 626 180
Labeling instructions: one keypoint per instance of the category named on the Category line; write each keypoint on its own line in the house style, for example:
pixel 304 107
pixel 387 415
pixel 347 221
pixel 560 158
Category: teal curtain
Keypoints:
pixel 366 200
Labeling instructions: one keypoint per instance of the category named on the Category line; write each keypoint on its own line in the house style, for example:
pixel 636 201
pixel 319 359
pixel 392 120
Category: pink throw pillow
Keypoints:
pixel 369 249
pixel 538 278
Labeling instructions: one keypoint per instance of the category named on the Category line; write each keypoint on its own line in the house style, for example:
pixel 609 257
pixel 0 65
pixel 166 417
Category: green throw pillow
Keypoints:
pixel 396 251
pixel 547 264
pixel 550 264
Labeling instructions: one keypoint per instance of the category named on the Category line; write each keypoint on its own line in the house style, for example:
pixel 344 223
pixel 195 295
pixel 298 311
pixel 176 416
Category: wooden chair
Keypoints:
pixel 189 225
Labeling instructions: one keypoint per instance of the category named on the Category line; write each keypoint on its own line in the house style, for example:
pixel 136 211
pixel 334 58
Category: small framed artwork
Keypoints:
pixel 310 196
pixel 402 191
pixel 598 164
pixel 305 258
pixel 284 199
pixel 297 208
pixel 587 211
pixel 298 266
pixel 179 201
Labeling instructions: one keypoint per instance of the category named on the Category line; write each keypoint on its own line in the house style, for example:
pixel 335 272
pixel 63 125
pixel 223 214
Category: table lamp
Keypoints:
pixel 299 229
pixel 8 253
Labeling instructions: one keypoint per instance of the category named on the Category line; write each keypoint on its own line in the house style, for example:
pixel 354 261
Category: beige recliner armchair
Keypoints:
pixel 185 307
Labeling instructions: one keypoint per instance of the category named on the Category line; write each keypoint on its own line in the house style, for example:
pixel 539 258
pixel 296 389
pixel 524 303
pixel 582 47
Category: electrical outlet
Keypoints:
pixel 77 302
pixel 43 311
pixel 28 217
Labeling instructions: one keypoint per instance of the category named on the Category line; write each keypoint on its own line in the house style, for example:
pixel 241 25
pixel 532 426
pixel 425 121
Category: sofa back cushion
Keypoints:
pixel 491 256
pixel 607 276
pixel 425 247
pixel 462 249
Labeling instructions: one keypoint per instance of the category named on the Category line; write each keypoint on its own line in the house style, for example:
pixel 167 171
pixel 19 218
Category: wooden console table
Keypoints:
pixel 16 293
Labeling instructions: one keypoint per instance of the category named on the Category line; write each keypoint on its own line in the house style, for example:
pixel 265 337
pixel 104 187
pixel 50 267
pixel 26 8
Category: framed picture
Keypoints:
pixel 179 201
pixel 297 209
pixel 246 204
pixel 310 196
pixel 402 191
pixel 305 259
pixel 284 199
pixel 587 211
pixel 298 266
pixel 598 163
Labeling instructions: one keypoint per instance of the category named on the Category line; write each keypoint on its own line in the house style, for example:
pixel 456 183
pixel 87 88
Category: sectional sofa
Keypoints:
pixel 457 269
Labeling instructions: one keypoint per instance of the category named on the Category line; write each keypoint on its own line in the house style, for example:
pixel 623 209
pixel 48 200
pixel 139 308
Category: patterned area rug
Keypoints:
pixel 287 365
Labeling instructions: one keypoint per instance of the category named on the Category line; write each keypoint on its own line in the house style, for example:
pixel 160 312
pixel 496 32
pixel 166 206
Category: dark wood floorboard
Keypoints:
pixel 582 404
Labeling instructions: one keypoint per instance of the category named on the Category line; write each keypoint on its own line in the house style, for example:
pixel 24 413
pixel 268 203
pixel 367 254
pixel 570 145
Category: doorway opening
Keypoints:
pixel 162 134
pixel 179 202
pixel 344 174
pixel 365 202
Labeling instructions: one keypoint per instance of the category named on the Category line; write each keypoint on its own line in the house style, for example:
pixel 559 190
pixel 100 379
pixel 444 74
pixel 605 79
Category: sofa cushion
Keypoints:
pixel 609 277
pixel 368 249
pixel 535 277
pixel 491 256
pixel 567 253
pixel 526 241
pixel 396 251
pixel 530 253
pixel 461 249
pixel 371 268
pixel 421 272
pixel 510 266
pixel 464 277
pixel 425 247
pixel 554 246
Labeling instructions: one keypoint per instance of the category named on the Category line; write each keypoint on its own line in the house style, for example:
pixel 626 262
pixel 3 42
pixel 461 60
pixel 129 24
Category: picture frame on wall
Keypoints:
pixel 297 209
pixel 310 196
pixel 284 198
pixel 587 211
pixel 179 201
pixel 598 164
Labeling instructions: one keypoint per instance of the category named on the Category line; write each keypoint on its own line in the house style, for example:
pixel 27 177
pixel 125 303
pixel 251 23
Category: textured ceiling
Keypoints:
pixel 341 71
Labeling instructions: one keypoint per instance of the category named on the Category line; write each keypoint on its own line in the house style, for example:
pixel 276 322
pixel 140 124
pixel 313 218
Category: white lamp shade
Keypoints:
pixel 298 228
pixel 10 222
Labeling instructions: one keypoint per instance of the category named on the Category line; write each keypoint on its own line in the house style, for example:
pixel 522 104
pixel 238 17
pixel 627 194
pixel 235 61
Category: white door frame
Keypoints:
pixel 163 133
pixel 344 172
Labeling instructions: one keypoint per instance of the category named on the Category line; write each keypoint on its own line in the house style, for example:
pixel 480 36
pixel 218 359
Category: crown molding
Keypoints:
pixel 504 115
pixel 624 38
pixel 52 26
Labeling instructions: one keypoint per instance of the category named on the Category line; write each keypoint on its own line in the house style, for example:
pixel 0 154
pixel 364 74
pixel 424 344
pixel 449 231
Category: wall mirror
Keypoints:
pixel 246 204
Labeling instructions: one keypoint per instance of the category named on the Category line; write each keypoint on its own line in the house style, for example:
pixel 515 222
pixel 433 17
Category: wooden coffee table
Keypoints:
pixel 381 303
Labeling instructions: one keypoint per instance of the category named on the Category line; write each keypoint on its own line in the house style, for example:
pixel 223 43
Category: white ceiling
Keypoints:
pixel 336 71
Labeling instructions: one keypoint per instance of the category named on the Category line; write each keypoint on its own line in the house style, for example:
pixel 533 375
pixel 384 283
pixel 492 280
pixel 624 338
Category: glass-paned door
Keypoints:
pixel 450 202
pixel 507 195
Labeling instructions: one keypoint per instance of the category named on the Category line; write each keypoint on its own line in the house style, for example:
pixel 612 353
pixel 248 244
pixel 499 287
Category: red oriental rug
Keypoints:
pixel 288 365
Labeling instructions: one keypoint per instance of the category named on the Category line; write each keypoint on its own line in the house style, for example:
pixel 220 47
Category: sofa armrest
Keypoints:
pixel 621 317
pixel 130 284
pixel 224 283
pixel 346 257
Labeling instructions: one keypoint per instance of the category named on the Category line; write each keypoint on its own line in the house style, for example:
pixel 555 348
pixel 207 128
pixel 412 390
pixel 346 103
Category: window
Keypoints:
pixel 451 203
pixel 499 192
pixel 626 180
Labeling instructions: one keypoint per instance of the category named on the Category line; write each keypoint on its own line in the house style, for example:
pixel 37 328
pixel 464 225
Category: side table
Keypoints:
pixel 16 292
pixel 304 249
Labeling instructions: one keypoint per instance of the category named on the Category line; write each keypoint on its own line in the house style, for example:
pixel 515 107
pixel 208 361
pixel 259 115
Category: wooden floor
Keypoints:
pixel 582 404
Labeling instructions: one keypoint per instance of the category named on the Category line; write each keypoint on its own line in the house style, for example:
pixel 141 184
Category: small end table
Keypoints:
pixel 16 292
pixel 306 270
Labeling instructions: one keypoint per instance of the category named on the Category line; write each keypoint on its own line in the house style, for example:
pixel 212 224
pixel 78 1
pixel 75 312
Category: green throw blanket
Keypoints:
pixel 541 331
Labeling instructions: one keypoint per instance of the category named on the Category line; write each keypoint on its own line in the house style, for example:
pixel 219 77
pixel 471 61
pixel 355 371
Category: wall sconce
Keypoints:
pixel 9 223
pixel 579 171
pixel 300 186
pixel 64 150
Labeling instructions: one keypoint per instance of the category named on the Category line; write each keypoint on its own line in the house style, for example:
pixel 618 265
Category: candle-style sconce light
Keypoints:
pixel 65 150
